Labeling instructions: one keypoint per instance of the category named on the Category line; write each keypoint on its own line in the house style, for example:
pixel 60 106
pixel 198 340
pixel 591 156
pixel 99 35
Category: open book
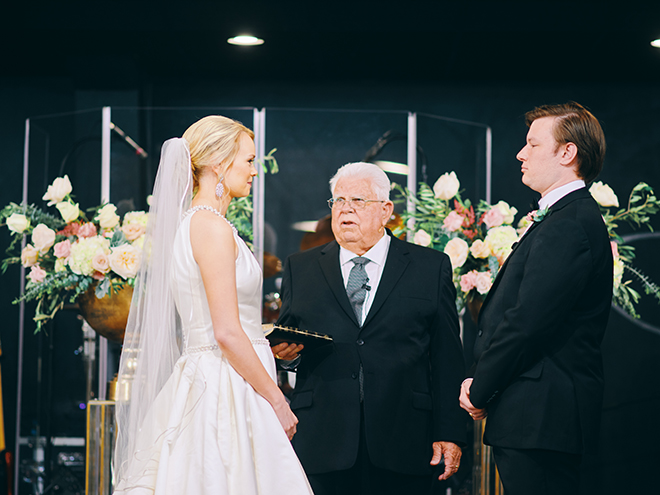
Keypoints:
pixel 277 334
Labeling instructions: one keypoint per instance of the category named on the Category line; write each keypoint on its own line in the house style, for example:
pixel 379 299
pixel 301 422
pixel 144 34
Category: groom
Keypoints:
pixel 538 374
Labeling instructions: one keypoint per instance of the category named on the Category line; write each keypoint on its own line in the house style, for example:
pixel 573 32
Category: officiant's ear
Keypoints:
pixel 569 153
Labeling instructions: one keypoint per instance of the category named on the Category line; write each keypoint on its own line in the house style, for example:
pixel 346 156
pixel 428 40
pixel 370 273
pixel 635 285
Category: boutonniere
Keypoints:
pixel 537 216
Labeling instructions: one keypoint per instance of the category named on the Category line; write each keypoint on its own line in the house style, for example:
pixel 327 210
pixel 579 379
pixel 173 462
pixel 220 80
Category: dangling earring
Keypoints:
pixel 219 189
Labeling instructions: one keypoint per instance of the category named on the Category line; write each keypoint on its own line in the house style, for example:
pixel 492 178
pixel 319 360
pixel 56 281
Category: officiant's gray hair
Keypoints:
pixel 380 184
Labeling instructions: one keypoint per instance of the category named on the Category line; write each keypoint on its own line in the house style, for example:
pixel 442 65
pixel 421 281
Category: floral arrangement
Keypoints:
pixel 478 239
pixel 71 252
pixel 642 203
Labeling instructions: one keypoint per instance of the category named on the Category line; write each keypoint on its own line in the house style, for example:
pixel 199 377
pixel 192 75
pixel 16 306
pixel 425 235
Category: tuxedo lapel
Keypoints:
pixel 395 264
pixel 581 193
pixel 329 262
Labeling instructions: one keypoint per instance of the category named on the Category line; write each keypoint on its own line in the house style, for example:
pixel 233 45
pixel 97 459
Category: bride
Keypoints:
pixel 203 413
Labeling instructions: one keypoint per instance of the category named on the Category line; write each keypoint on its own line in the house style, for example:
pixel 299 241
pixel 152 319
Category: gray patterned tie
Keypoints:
pixel 357 286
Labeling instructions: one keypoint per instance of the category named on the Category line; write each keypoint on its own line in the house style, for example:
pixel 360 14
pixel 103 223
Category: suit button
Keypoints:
pixel 354 376
pixel 360 342
pixel 481 332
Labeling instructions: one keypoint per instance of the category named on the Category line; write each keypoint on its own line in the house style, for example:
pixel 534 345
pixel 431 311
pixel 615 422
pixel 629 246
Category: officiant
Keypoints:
pixel 377 411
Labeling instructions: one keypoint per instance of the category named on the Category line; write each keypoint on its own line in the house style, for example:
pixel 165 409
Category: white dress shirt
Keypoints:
pixel 377 256
pixel 556 194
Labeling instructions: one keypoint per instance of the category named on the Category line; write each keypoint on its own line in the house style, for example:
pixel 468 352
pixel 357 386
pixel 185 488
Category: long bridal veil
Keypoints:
pixel 152 340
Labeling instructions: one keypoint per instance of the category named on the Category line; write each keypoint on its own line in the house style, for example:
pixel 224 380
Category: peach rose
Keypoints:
pixel 133 231
pixel 484 282
pixel 422 238
pixel 43 238
pixel 125 260
pixel 29 256
pixel 480 249
pixel 457 250
pixel 101 263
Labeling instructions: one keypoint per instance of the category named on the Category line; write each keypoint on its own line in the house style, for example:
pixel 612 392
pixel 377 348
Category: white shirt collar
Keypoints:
pixel 556 194
pixel 377 254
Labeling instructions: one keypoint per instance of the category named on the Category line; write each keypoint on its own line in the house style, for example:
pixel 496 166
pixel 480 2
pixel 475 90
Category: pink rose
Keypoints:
pixel 87 230
pixel 101 263
pixel 469 281
pixel 493 218
pixel 62 249
pixel 453 221
pixel 98 276
pixel 36 274
pixel 133 231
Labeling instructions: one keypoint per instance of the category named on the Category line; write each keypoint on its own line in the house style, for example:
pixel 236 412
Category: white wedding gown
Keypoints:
pixel 210 432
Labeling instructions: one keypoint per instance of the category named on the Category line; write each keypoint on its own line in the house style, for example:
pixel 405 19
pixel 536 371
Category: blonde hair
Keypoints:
pixel 213 139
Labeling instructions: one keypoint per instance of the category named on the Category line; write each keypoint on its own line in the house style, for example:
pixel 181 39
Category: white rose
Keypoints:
pixel 58 190
pixel 136 217
pixel 43 238
pixel 499 240
pixel 457 250
pixel 107 217
pixel 60 265
pixel 422 238
pixel 508 212
pixel 446 187
pixel 603 194
pixel 125 260
pixel 69 211
pixel 18 223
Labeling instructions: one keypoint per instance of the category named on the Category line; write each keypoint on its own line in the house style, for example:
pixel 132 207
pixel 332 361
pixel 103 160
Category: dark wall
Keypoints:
pixel 628 112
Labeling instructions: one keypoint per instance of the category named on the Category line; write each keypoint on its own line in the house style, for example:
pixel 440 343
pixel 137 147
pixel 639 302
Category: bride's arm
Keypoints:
pixel 214 249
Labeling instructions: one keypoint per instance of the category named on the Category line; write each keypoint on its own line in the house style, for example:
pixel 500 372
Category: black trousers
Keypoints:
pixel 538 472
pixel 366 479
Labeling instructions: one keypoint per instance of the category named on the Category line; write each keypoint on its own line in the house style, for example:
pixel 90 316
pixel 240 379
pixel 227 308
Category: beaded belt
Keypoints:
pixel 213 347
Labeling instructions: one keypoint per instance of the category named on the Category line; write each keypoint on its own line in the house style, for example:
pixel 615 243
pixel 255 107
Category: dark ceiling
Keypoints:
pixel 122 43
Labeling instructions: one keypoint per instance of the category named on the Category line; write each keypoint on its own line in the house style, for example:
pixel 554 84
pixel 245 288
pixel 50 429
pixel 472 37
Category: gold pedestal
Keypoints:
pixel 100 445
pixel 485 478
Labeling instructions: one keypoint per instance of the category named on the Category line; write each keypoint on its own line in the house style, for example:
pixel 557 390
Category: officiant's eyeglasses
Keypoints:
pixel 357 203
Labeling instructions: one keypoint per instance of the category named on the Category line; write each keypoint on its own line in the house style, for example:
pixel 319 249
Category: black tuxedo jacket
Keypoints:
pixel 539 369
pixel 409 348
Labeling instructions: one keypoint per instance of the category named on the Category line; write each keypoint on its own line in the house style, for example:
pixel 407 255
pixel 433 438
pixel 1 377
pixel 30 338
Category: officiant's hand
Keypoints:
pixel 452 454
pixel 286 352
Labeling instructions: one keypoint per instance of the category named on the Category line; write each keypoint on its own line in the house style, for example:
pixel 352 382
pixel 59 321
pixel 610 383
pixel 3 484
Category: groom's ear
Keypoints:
pixel 569 153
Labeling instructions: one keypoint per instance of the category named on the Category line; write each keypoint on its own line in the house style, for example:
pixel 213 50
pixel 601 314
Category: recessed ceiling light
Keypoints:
pixel 245 40
pixel 656 43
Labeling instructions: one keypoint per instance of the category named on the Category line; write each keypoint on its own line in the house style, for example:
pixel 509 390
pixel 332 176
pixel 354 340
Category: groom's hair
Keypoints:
pixel 575 124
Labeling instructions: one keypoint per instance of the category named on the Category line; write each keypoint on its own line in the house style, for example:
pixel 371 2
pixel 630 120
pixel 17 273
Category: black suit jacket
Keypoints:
pixel 539 369
pixel 409 348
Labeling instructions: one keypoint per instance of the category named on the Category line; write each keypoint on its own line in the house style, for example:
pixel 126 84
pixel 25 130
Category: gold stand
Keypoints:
pixel 100 445
pixel 484 465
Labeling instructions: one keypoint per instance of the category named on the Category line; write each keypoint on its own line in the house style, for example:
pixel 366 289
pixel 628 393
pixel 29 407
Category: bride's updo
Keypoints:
pixel 213 139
